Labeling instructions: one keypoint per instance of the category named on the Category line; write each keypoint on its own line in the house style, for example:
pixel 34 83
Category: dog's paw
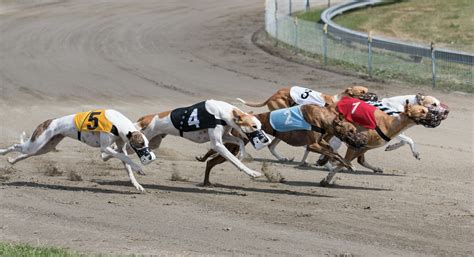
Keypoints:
pixel 11 160
pixel 254 174
pixel 378 170
pixel 286 159
pixel 200 158
pixel 105 157
pixel 324 183
pixel 303 164
pixel 417 155
pixel 140 188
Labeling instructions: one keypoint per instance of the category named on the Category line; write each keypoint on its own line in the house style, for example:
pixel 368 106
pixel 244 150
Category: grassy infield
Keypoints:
pixel 447 23
pixel 11 250
pixel 422 22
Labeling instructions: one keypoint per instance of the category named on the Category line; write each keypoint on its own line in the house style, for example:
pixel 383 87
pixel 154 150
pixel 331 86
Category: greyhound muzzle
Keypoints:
pixel 258 139
pixel 435 115
pixel 369 97
pixel 146 157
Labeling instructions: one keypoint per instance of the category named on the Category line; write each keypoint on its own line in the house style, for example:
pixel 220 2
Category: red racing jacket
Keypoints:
pixel 357 111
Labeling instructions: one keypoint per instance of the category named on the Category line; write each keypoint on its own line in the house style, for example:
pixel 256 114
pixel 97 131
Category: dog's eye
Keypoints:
pixel 435 104
pixel 255 127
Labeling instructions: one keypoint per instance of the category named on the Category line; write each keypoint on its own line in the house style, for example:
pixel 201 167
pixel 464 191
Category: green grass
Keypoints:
pixel 447 23
pixel 20 250
pixel 313 15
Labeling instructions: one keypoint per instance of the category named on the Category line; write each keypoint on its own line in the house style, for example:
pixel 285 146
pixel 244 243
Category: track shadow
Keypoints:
pixel 332 186
pixel 68 188
pixel 293 163
pixel 357 172
pixel 170 188
pixel 270 191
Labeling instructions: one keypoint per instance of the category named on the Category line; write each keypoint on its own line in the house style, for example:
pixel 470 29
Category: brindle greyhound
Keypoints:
pixel 325 123
pixel 389 127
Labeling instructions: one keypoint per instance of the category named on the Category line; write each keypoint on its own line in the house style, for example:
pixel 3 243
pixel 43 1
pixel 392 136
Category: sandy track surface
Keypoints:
pixel 140 57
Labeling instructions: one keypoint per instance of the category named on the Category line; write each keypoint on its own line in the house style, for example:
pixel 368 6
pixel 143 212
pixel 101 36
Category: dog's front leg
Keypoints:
pixel 404 139
pixel 215 136
pixel 303 162
pixel 272 148
pixel 106 143
pixel 227 138
pixel 128 168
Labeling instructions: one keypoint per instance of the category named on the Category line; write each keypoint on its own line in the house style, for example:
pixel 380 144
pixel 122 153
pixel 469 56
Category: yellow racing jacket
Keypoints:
pixel 93 121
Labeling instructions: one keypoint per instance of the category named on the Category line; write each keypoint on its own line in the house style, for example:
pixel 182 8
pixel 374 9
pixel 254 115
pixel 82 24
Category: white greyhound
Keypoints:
pixel 98 128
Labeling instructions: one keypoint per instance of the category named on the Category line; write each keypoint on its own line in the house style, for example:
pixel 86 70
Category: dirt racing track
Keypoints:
pixel 142 57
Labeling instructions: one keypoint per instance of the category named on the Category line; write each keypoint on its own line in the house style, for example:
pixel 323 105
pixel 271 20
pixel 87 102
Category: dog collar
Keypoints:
pixel 318 129
pixel 381 134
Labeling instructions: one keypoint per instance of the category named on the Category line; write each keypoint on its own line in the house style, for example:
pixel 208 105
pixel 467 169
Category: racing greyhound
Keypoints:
pixel 393 106
pixel 97 128
pixel 206 121
pixel 379 127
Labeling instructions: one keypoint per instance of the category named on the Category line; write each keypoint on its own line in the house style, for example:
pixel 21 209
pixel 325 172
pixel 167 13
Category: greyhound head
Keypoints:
pixel 434 106
pixel 347 132
pixel 361 93
pixel 139 144
pixel 416 112
pixel 251 127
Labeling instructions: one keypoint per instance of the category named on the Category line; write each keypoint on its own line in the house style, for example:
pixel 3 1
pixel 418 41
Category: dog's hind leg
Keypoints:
pixel 234 149
pixel 335 144
pixel 362 161
pixel 13 148
pixel 351 154
pixel 209 154
pixel 45 148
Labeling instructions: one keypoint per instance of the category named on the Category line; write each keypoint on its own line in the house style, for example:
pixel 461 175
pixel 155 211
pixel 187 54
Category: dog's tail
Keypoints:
pixel 253 104
pixel 23 137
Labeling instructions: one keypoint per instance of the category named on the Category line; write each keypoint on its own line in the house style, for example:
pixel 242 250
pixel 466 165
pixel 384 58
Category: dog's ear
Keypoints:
pixel 129 135
pixel 420 98
pixel 237 115
pixel 407 106
pixel 349 91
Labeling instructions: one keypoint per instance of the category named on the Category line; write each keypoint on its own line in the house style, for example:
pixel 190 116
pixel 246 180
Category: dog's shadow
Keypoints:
pixel 194 190
pixel 357 171
pixel 211 189
pixel 332 186
pixel 67 188
pixel 270 190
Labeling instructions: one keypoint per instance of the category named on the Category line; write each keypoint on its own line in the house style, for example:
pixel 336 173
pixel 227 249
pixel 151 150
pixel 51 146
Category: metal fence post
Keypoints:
pixel 289 8
pixel 433 64
pixel 329 3
pixel 307 5
pixel 325 43
pixel 276 22
pixel 369 43
pixel 296 33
